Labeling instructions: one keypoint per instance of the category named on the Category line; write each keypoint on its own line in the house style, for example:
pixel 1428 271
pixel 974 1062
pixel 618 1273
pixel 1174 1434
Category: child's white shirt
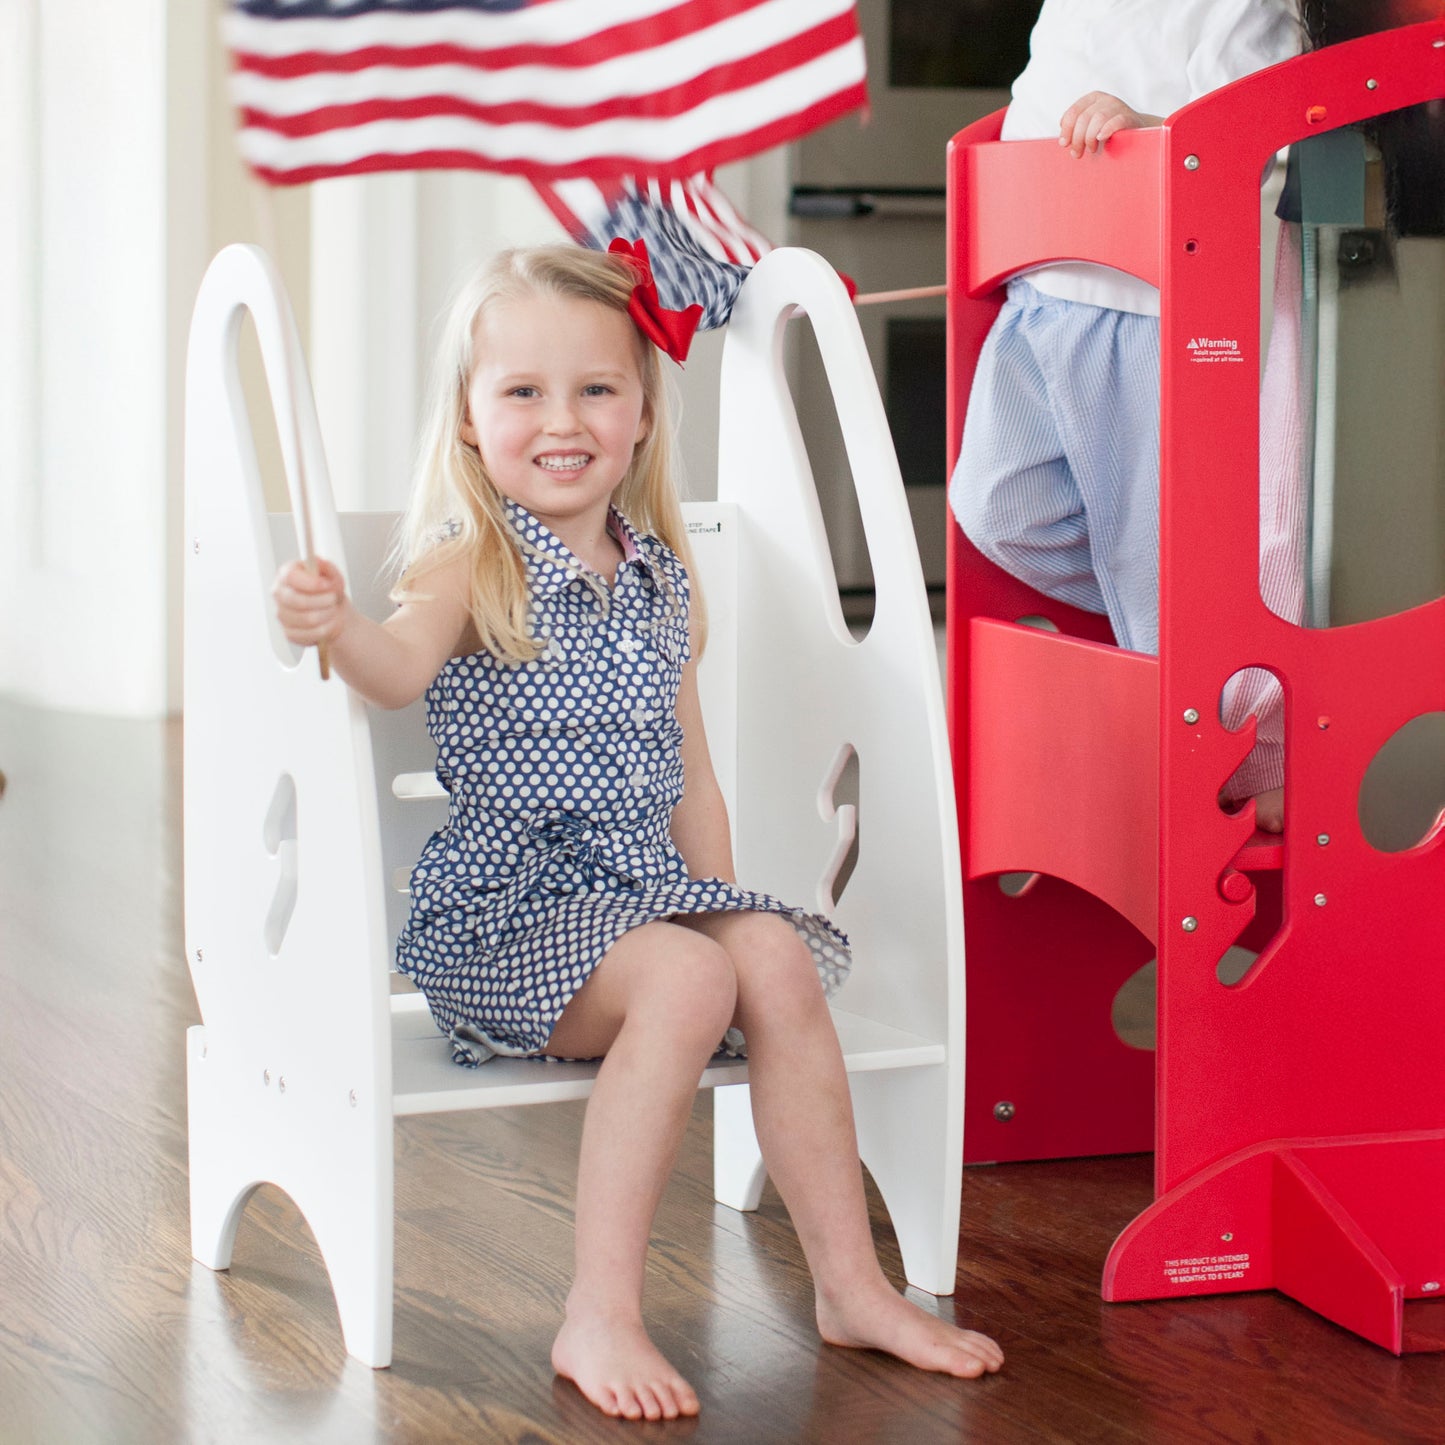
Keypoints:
pixel 1156 56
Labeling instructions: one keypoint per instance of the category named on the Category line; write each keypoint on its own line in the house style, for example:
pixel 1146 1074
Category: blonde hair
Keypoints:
pixel 455 505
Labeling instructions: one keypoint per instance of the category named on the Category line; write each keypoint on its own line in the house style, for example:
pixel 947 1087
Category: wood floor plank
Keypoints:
pixel 109 1332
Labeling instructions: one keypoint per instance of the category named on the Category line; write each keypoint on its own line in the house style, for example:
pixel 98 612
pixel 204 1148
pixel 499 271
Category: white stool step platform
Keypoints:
pixel 426 1081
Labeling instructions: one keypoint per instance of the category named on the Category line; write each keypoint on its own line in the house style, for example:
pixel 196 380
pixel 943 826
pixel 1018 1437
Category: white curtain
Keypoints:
pixel 102 236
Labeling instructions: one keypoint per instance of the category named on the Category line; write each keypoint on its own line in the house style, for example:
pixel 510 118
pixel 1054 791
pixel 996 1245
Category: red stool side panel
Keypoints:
pixel 1341 1017
pixel 1047 1075
pixel 1325 1056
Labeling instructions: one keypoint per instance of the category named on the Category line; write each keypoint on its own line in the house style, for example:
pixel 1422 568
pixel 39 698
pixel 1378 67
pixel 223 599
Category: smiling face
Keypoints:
pixel 555 406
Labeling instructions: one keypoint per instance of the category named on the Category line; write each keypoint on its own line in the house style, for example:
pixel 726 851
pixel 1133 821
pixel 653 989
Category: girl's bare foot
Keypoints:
pixel 1269 810
pixel 619 1369
pixel 881 1319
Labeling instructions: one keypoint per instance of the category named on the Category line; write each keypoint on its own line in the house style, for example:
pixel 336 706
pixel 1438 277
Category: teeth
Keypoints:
pixel 563 464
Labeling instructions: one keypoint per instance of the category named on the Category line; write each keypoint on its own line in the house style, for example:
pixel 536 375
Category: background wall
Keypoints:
pixel 118 180
pixel 104 216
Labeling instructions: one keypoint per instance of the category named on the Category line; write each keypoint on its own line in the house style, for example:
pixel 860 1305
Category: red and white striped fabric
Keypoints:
pixel 549 89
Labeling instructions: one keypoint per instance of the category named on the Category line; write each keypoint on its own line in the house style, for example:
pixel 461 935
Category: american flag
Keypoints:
pixel 551 89
pixel 700 247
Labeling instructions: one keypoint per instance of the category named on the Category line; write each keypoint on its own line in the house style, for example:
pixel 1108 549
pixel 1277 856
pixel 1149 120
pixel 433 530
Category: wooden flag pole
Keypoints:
pixel 266 217
pixel 917 293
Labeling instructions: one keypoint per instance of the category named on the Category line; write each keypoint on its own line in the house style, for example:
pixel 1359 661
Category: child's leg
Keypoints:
pixel 804 1119
pixel 1012 491
pixel 1255 692
pixel 656 1006
pixel 1102 368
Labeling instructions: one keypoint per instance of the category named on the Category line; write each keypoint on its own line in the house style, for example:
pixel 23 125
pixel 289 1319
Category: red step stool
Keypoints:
pixel 1298 1113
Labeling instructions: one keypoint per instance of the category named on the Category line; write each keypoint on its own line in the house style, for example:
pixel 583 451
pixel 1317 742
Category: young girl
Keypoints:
pixel 581 900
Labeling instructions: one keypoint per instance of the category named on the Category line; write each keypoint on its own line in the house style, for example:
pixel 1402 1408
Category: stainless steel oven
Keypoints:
pixel 870 197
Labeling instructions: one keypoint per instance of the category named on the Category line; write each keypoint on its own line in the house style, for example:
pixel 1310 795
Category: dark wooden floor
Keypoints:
pixel 109 1332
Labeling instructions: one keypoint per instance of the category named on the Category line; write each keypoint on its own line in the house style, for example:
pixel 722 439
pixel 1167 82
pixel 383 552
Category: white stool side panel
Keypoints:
pixel 806 688
pixel 808 692
pixel 285 931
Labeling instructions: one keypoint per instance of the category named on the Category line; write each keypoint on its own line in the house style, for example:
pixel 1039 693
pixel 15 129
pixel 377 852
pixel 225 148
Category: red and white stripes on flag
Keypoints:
pixel 550 89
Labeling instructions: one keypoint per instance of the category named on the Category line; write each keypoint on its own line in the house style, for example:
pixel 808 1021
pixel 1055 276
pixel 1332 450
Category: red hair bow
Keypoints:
pixel 670 330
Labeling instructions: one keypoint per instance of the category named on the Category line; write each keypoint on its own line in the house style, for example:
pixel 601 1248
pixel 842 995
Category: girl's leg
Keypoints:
pixel 656 1006
pixel 804 1119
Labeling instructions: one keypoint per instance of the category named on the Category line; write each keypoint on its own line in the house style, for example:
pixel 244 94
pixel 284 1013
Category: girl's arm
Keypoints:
pixel 700 820
pixel 389 663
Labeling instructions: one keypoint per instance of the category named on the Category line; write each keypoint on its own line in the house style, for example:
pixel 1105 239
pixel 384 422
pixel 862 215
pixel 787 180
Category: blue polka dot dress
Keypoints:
pixel 563 773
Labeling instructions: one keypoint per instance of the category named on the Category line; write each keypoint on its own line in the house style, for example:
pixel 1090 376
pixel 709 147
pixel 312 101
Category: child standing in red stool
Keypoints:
pixel 1057 481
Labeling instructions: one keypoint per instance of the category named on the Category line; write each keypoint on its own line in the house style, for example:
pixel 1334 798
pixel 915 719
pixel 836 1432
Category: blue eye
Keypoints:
pixel 524 392
pixel 597 389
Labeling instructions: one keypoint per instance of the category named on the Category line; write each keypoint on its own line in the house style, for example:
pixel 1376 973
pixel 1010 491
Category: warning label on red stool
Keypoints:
pixel 1206 1269
pixel 1214 348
